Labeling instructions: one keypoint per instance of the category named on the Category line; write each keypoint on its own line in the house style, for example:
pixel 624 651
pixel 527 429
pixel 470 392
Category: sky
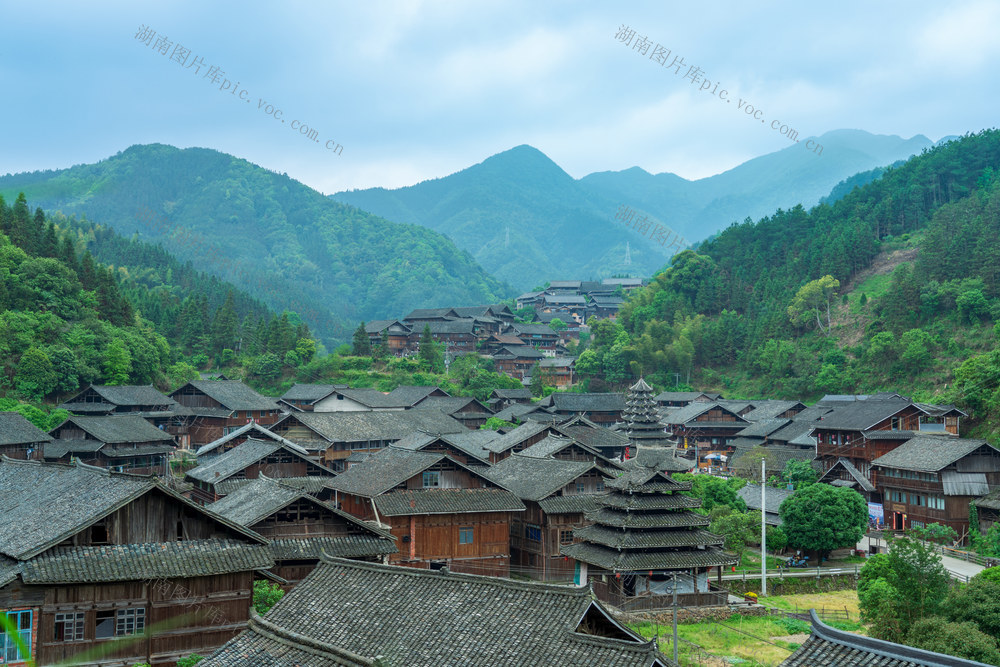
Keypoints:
pixel 411 91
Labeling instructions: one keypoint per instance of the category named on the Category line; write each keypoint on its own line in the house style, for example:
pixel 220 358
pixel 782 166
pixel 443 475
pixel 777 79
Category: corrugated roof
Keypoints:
pixel 964 483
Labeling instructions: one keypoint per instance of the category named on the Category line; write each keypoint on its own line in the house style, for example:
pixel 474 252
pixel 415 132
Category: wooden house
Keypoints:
pixel 932 479
pixel 603 409
pixel 558 371
pixel 213 408
pixel 302 397
pixel 520 438
pixel 111 554
pixel 393 333
pixel 465 409
pixel 679 399
pixel 250 460
pixel 504 398
pixel 331 437
pixel 497 342
pixel 353 614
pixel 417 317
pixel 20 439
pixel 708 428
pixel 468 448
pixel 517 360
pixel 300 528
pixel 539 336
pixel 143 400
pixel 569 308
pixel 234 439
pixel 611 444
pixel 556 493
pixel 443 513
pixel 458 336
pixel 124 443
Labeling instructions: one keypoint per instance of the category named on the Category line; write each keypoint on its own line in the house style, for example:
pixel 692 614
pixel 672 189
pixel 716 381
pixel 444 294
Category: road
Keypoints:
pixel 959 569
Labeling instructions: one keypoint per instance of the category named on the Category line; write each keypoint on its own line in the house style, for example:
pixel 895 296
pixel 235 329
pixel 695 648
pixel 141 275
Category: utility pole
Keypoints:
pixel 763 528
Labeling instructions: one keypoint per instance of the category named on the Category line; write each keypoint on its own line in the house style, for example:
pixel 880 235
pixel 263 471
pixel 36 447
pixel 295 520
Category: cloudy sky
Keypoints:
pixel 418 90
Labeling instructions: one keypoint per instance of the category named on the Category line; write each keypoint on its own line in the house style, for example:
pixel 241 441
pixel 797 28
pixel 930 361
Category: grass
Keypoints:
pixel 838 600
pixel 738 640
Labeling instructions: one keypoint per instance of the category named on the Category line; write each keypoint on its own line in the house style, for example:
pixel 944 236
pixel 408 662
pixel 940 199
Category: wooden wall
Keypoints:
pixel 422 539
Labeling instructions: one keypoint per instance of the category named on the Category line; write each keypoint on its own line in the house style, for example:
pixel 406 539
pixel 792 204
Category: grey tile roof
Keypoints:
pixel 253 428
pixel 770 409
pixel 829 646
pixel 233 394
pixel 778 456
pixel 74 496
pixel 314 484
pixel 378 326
pixel 340 546
pixel 516 412
pixel 855 474
pixel 750 493
pixel 686 413
pixel 383 470
pixel 115 429
pixel 796 430
pixel 570 402
pixel 890 435
pixel 533 478
pixel 422 313
pixel 256 500
pixel 685 396
pixel 595 437
pixel 470 443
pixel 132 562
pixel 310 392
pixel 10 570
pixel 131 395
pixel 517 436
pixel 522 394
pixel 660 458
pixel 60 448
pixel 930 453
pixel 860 415
pixel 377 425
pixel 620 539
pixel 347 612
pixel 640 520
pixel 580 503
pixel 15 429
pixel 551 445
pixel 447 501
pixel 452 404
pixel 533 329
pixel 636 561
pixel 763 428
pixel 246 453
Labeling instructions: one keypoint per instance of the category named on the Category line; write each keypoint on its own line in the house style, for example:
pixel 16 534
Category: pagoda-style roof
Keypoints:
pixel 645 522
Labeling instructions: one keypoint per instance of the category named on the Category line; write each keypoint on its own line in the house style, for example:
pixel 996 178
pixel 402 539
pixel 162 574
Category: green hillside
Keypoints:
pixel 284 243
pixel 914 255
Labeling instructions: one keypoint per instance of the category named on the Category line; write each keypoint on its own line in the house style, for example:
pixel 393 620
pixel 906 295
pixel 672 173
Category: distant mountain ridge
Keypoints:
pixel 526 220
pixel 281 241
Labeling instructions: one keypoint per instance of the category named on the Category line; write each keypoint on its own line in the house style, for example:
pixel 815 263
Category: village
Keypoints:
pixel 162 513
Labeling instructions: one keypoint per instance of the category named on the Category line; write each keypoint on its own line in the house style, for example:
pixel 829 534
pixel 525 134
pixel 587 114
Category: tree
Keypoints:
pixel 812 299
pixel 936 533
pixel 822 518
pixel 117 363
pixel 747 466
pixel 897 589
pixel 430 351
pixel 799 474
pixel 495 424
pixel 963 640
pixel 714 491
pixel 558 325
pixel 35 376
pixel 537 382
pixel 978 601
pixel 737 528
pixel 265 595
pixel 362 346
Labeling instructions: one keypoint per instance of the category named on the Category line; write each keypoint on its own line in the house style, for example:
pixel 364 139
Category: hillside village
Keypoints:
pixel 180 502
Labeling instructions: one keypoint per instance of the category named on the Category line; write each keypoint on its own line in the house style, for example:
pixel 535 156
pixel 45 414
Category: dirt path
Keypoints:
pixel 883 264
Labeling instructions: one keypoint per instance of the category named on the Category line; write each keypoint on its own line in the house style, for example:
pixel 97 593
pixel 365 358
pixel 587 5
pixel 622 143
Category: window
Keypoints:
pixel 916 524
pixel 935 502
pixel 533 533
pixel 565 537
pixel 581 487
pixel 895 423
pixel 600 485
pixel 99 534
pixel 432 479
pixel 465 535
pixel 9 650
pixel 69 627
pixel 119 623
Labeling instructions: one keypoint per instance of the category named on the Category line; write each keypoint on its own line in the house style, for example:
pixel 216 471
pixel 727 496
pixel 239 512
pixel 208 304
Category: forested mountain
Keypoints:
pixel 565 228
pixel 282 242
pixel 913 291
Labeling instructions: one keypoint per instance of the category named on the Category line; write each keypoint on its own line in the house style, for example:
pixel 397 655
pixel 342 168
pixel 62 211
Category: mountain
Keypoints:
pixel 893 286
pixel 562 227
pixel 282 242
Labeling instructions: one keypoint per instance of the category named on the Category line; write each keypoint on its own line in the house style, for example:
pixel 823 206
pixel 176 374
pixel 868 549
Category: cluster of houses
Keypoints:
pixel 144 508
pixel 515 347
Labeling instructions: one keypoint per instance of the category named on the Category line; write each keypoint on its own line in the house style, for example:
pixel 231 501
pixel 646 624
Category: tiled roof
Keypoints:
pixel 571 402
pixel 852 472
pixel 470 443
pixel 447 501
pixel 770 409
pixel 516 412
pixel 378 424
pixel 10 569
pixel 890 435
pixel 233 394
pixel 378 326
pixel 647 539
pixel 132 395
pixel 614 560
pixel 116 429
pixel 349 612
pixel 256 430
pixel 532 478
pixel 829 646
pixel 930 453
pixel 551 445
pixel 313 484
pixel 596 437
pixel 763 428
pixel 340 546
pixel 637 477
pixel 517 436
pixel 384 470
pixel 451 404
pixel 579 503
pixel 533 329
pixel 450 327
pixel 257 500
pixel 310 392
pixel 239 457
pixel 777 456
pixel 860 415
pixel 421 313
pixel 372 398
pixel 650 502
pixel 623 519
pixel 58 449
pixel 131 562
pixel 674 396
pixel 750 493
pixel 660 458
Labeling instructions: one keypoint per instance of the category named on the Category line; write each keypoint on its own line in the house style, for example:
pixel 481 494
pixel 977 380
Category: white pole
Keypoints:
pixel 763 529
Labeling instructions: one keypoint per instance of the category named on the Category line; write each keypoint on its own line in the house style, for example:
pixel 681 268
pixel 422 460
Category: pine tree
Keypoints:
pixel 225 326
pixel 362 346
